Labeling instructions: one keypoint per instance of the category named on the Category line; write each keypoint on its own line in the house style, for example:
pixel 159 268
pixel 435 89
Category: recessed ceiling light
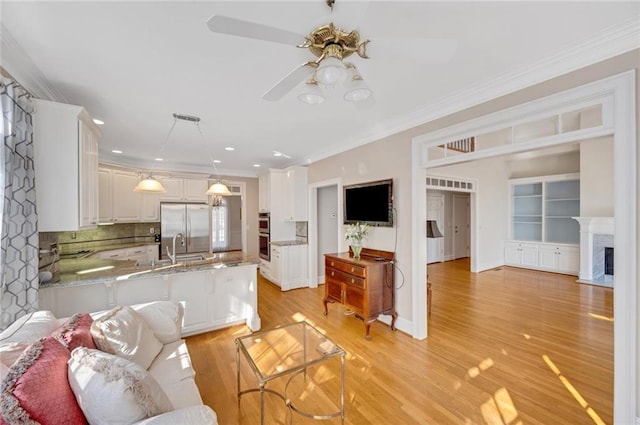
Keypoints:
pixel 116 151
pixel 229 148
pixel 275 153
pixel 159 159
pixel 217 161
pixel 98 122
pixel 256 165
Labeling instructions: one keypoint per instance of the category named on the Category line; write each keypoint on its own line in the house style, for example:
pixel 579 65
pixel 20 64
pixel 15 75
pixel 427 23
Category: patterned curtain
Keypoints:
pixel 18 229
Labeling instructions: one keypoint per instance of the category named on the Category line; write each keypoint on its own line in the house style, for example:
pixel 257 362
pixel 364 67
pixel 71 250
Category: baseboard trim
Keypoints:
pixel 637 420
pixel 403 325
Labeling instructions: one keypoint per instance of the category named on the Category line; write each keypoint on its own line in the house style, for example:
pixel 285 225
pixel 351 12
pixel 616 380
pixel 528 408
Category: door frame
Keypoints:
pixel 619 94
pixel 467 229
pixel 312 236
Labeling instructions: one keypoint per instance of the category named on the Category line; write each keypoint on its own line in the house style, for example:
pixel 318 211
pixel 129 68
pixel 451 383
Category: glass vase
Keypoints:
pixel 356 248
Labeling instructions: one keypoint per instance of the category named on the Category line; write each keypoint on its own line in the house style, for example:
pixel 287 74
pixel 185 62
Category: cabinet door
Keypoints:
pixel 88 176
pixel 529 255
pixel 512 253
pixel 105 196
pixel 548 257
pixel 173 187
pixel 569 260
pixel 354 298
pixel 141 290
pixel 126 202
pixel 191 290
pixel 333 288
pixel 295 194
pixel 150 207
pixel 69 300
pixel 275 268
pixel 195 190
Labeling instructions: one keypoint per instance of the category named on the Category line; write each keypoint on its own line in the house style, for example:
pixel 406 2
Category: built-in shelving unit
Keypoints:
pixel 543 234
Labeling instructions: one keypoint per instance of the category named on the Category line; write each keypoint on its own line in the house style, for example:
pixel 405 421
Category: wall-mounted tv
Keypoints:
pixel 370 203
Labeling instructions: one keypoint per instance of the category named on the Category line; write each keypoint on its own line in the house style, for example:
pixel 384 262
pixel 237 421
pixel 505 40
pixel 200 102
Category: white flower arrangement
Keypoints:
pixel 356 232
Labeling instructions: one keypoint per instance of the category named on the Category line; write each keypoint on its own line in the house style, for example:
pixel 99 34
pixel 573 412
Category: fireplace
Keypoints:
pixel 596 245
pixel 608 261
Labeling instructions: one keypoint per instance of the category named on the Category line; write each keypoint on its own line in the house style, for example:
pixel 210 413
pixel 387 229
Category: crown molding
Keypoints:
pixel 16 61
pixel 608 43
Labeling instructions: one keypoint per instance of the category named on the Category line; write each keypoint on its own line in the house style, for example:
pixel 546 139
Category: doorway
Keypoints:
pixel 327 214
pixel 451 210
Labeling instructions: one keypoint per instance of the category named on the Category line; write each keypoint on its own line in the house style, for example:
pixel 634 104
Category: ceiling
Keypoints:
pixel 133 64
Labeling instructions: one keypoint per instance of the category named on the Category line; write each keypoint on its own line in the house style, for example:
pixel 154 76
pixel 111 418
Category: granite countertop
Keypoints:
pixel 288 243
pixel 89 271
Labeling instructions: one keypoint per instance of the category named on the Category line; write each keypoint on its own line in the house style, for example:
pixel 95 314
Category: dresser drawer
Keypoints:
pixel 346 267
pixel 347 278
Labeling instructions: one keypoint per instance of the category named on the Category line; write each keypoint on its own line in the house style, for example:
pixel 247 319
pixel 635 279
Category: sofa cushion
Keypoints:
pixel 111 389
pixel 36 387
pixel 189 415
pixel 124 333
pixel 164 318
pixel 75 332
pixel 172 364
pixel 30 327
pixel 9 353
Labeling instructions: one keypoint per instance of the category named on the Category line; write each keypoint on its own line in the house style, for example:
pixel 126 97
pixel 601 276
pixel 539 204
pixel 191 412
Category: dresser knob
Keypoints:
pixel 332 264
pixel 353 281
pixel 353 269
pixel 331 273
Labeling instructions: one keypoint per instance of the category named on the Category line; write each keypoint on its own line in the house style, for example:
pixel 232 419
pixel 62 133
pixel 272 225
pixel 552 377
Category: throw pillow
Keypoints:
pixel 164 318
pixel 76 332
pixel 124 333
pixel 30 327
pixel 36 389
pixel 110 389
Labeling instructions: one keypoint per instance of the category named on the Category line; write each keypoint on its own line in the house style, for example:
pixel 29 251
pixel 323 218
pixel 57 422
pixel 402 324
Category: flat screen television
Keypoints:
pixel 370 203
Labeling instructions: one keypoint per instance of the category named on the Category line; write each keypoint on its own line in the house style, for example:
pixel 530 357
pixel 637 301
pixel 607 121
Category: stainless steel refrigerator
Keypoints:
pixel 192 220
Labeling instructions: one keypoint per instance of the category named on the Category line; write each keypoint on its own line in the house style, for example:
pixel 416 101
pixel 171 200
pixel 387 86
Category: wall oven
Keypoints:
pixel 264 223
pixel 265 246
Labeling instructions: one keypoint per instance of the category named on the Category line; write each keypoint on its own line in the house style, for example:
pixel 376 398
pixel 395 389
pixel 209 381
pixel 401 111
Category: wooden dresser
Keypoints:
pixel 365 286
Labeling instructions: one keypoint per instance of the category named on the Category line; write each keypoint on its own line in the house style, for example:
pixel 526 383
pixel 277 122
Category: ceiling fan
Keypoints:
pixel 331 46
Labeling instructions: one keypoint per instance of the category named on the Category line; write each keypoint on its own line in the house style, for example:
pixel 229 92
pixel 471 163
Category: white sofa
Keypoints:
pixel 154 382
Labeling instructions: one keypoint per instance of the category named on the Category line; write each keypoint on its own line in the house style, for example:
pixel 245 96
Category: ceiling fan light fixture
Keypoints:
pixel 218 189
pixel 311 94
pixel 331 71
pixel 357 91
pixel 149 185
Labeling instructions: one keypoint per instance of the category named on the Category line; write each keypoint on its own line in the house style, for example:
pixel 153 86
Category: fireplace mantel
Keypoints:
pixel 590 226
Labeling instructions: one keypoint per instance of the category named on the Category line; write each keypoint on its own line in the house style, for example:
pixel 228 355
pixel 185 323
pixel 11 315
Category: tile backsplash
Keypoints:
pixel 301 230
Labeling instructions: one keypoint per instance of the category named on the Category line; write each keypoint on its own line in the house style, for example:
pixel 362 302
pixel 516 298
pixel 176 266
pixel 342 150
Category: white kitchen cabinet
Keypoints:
pixel 66 167
pixel 263 192
pixel 118 203
pixel 140 290
pixel 561 259
pixel 65 301
pixel 288 268
pixel 295 194
pixel 275 265
pixel 191 290
pixel 127 204
pixel 105 195
pixel 182 189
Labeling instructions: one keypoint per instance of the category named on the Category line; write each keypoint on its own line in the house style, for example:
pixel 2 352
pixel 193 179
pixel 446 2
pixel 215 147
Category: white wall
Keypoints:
pixel 596 178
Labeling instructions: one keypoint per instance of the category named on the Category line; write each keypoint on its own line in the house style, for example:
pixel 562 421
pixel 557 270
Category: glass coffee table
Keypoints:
pixel 287 351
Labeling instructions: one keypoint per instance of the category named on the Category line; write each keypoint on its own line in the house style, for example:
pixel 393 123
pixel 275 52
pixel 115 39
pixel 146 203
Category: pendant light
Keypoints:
pixel 150 185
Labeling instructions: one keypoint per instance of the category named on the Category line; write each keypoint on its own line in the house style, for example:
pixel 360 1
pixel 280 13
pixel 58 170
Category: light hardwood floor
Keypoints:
pixel 506 346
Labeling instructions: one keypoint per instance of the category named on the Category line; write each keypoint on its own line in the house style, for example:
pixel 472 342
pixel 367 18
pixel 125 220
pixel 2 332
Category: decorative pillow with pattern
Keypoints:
pixel 76 332
pixel 114 390
pixel 36 387
pixel 125 333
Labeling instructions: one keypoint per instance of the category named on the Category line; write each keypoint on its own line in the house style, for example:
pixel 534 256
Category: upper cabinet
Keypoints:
pixel 295 194
pixel 182 189
pixel 66 167
pixel 119 203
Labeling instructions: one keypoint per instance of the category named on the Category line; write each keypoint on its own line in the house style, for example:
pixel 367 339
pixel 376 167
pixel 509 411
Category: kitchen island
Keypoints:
pixel 216 291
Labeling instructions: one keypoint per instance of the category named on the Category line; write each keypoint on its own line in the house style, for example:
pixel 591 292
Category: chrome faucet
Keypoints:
pixel 172 257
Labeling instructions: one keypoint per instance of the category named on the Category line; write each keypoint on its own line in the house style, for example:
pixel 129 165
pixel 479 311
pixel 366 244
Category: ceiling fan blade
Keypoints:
pixel 232 26
pixel 291 80
pixel 413 49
